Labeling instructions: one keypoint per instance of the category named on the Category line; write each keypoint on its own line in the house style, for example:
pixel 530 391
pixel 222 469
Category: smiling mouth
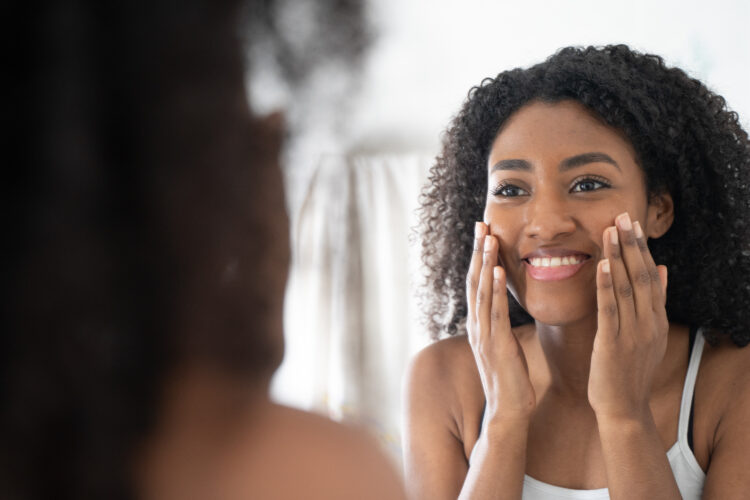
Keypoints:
pixel 555 268
pixel 568 260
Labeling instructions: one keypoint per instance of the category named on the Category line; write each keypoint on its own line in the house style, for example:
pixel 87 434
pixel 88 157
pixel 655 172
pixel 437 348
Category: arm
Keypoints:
pixel 435 462
pixel 499 462
pixel 727 473
pixel 634 457
pixel 728 441
pixel 630 343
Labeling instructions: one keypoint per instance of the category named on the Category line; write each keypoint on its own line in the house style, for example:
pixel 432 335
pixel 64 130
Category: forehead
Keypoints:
pixel 541 130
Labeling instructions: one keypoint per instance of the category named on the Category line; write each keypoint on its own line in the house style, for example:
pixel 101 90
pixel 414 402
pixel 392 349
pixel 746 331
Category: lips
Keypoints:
pixel 554 264
pixel 566 260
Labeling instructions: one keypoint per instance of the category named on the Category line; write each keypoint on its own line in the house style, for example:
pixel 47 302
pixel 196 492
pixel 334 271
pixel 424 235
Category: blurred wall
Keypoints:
pixel 429 53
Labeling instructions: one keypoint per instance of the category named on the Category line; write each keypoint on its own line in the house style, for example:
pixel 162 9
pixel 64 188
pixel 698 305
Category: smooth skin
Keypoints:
pixel 588 395
pixel 219 439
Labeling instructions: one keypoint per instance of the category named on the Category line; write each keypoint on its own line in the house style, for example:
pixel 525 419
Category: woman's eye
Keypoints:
pixel 588 185
pixel 508 191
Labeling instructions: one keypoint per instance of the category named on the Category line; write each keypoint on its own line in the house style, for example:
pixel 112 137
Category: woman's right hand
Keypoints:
pixel 500 360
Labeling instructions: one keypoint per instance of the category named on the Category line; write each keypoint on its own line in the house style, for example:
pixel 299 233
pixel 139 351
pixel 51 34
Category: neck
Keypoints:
pixel 567 349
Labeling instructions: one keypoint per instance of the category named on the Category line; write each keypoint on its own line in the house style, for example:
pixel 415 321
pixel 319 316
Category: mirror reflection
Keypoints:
pixel 346 249
pixel 381 273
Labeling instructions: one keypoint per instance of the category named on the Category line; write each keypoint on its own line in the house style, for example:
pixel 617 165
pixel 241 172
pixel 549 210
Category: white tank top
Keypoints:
pixel 688 474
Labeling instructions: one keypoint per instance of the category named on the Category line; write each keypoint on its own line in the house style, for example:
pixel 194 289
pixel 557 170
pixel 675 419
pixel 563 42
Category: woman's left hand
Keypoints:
pixel 631 337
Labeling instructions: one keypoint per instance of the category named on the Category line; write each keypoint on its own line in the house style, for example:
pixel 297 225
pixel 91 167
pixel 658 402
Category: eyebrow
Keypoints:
pixel 566 164
pixel 585 158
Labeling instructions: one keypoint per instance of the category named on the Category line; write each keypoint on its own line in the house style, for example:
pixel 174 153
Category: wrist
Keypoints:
pixel 499 427
pixel 619 412
pixel 509 415
pixel 624 422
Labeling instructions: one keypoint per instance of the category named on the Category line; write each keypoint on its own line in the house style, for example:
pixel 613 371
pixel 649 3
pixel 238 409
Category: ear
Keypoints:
pixel 660 215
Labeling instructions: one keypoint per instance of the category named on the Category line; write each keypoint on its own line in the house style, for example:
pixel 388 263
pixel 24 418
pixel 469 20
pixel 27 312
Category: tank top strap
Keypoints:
pixel 689 388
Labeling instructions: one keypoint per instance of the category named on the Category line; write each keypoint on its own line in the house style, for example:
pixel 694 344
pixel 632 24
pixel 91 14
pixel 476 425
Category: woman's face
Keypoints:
pixel 558 177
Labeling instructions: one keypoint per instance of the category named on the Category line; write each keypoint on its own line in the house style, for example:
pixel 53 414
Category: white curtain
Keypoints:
pixel 351 317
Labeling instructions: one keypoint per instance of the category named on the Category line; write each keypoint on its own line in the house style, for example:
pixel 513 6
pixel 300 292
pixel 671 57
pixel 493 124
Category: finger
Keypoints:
pixel 657 286
pixel 475 266
pixel 607 314
pixel 622 288
pixel 662 311
pixel 484 290
pixel 663 279
pixel 638 274
pixel 499 319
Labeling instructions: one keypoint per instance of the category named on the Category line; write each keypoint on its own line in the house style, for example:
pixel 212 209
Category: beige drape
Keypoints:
pixel 351 316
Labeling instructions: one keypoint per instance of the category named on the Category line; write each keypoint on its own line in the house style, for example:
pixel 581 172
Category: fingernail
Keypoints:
pixel 496 272
pixel 487 243
pixel 637 230
pixel 613 235
pixel 605 265
pixel 624 222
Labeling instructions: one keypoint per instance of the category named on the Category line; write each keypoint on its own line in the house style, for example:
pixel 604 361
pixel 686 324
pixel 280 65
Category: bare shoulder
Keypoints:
pixel 289 453
pixel 443 401
pixel 445 363
pixel 443 397
pixel 444 380
pixel 723 389
pixel 725 373
pixel 450 360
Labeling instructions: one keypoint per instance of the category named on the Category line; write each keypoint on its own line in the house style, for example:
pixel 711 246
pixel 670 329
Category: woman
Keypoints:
pixel 614 195
pixel 145 270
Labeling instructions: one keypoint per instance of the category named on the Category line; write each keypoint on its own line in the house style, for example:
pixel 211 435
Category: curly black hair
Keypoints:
pixel 687 142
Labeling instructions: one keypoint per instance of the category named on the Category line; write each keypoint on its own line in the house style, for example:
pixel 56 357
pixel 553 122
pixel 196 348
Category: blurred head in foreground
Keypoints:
pixel 149 242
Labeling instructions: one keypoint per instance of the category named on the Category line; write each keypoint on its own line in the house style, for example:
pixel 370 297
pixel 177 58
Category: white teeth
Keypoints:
pixel 555 261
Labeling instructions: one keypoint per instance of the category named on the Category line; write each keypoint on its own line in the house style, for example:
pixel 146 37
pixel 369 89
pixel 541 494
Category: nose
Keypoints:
pixel 548 217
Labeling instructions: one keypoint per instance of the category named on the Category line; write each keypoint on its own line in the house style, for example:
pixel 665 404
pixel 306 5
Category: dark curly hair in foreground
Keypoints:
pixel 687 143
pixel 140 237
pixel 145 224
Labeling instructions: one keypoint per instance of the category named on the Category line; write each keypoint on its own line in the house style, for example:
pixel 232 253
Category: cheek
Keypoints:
pixel 597 225
pixel 506 229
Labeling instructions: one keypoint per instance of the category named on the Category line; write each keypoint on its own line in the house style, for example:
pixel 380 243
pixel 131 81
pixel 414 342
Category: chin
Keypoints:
pixel 555 311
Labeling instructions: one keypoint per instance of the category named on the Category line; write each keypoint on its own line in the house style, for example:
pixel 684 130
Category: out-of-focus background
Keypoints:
pixel 363 137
